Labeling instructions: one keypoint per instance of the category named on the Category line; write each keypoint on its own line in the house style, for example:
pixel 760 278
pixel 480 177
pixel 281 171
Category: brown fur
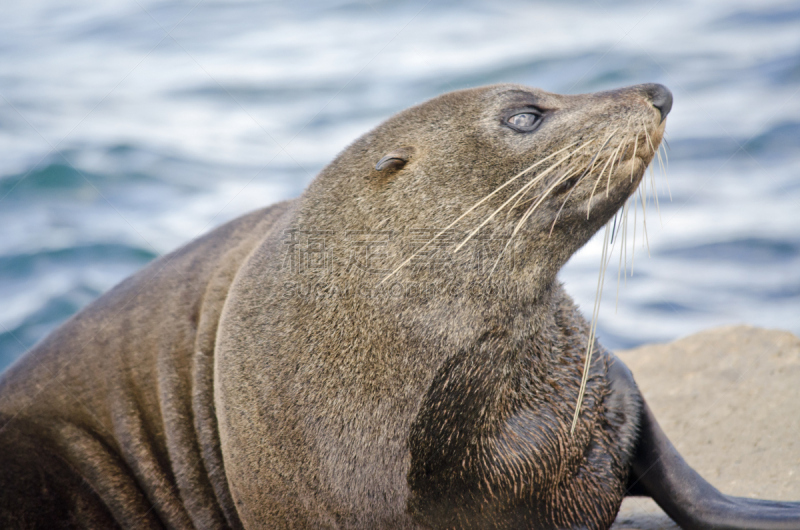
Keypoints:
pixel 342 404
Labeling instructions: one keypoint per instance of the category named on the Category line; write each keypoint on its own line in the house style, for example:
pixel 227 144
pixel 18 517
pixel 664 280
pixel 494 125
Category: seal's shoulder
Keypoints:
pixel 167 297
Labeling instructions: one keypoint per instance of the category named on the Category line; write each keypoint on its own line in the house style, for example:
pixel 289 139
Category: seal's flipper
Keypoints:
pixel 660 472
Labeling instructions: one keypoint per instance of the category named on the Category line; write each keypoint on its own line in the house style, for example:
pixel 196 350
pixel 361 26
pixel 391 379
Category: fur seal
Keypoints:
pixel 335 362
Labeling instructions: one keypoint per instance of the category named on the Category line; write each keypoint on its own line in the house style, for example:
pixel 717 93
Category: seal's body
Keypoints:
pixel 341 361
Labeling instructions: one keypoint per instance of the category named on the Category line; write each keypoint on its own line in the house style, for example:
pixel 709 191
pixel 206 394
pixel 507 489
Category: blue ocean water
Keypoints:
pixel 129 128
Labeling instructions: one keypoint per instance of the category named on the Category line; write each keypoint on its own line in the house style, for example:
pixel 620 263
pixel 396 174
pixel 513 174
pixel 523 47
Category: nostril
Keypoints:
pixel 660 97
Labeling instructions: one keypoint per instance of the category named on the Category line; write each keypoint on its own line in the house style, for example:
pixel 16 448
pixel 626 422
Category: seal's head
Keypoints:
pixel 546 168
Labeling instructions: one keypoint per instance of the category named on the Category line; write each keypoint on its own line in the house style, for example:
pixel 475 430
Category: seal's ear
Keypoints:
pixel 395 159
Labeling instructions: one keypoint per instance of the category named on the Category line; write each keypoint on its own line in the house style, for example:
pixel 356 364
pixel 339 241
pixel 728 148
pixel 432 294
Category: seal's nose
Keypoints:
pixel 660 97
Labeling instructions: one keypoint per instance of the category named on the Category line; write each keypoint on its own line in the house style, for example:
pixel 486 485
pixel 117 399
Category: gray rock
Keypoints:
pixel 727 398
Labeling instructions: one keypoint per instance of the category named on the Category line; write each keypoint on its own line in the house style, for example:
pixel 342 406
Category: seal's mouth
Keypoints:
pixel 589 176
pixel 570 183
pixel 626 170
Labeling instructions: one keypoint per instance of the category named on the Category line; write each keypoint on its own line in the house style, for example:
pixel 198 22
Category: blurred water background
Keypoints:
pixel 131 127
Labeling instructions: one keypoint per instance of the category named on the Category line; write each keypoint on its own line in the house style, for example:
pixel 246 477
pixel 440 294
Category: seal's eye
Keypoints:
pixel 524 121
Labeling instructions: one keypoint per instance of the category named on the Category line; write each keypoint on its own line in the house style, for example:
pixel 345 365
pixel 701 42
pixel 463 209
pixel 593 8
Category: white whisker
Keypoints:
pixel 592 329
pixel 614 161
pixel 622 252
pixel 644 219
pixel 664 167
pixel 473 207
pixel 527 215
pixel 655 194
pixel 522 190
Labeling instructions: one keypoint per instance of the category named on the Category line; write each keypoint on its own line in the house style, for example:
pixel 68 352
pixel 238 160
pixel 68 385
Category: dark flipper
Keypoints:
pixel 659 471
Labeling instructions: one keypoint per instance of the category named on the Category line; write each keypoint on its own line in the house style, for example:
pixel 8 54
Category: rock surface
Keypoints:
pixel 728 400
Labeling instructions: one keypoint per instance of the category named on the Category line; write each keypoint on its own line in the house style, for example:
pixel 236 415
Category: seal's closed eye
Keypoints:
pixel 395 159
